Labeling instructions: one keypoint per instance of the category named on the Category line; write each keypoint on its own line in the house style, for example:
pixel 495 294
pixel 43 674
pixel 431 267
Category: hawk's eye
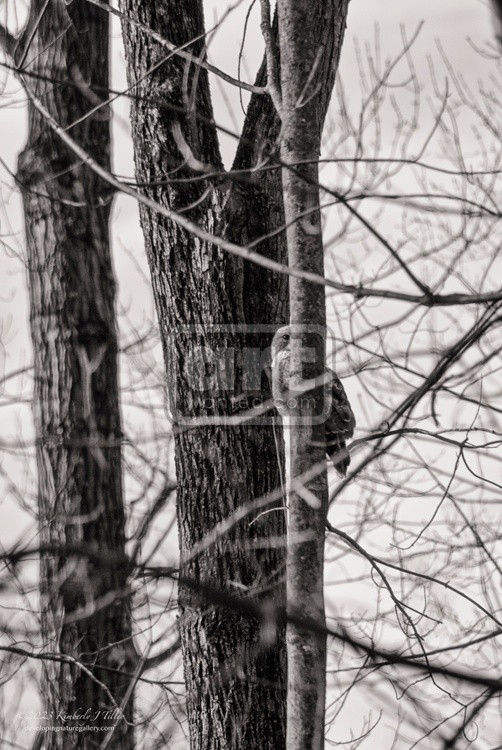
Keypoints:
pixel 286 337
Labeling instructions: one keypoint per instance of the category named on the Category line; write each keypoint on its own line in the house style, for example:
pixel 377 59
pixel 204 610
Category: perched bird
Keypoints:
pixel 340 421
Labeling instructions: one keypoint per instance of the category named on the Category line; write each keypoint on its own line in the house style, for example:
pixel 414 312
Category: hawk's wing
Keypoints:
pixel 341 420
pixel 339 425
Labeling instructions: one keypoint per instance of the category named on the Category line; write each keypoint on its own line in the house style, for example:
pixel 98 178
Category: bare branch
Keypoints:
pixel 176 50
pixel 271 54
pixel 427 300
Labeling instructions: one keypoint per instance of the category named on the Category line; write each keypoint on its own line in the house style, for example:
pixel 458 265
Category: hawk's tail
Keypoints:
pixel 336 449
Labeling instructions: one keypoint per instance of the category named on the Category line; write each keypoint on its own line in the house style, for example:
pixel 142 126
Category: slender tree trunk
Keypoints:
pixel 85 606
pixel 302 37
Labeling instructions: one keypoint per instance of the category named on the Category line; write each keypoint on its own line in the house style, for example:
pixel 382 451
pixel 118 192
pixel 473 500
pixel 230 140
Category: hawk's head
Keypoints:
pixel 280 342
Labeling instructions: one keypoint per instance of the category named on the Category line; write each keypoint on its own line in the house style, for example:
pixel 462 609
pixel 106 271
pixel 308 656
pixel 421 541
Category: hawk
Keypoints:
pixel 340 422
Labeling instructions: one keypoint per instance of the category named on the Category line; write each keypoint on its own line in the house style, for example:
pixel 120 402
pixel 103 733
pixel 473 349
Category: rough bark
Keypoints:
pixel 310 39
pixel 235 683
pixel 76 402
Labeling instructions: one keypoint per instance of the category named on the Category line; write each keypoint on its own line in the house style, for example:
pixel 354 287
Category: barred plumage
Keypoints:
pixel 340 423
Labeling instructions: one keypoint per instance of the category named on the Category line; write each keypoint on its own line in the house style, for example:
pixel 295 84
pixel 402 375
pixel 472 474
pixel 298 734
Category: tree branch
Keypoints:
pixel 271 55
pixel 426 300
pixel 174 48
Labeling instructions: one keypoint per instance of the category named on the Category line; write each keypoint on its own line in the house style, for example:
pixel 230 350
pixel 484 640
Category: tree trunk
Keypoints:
pixel 85 606
pixel 304 30
pixel 236 682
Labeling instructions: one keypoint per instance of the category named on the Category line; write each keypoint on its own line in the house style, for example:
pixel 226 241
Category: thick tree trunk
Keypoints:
pixel 235 683
pixel 304 30
pixel 85 606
